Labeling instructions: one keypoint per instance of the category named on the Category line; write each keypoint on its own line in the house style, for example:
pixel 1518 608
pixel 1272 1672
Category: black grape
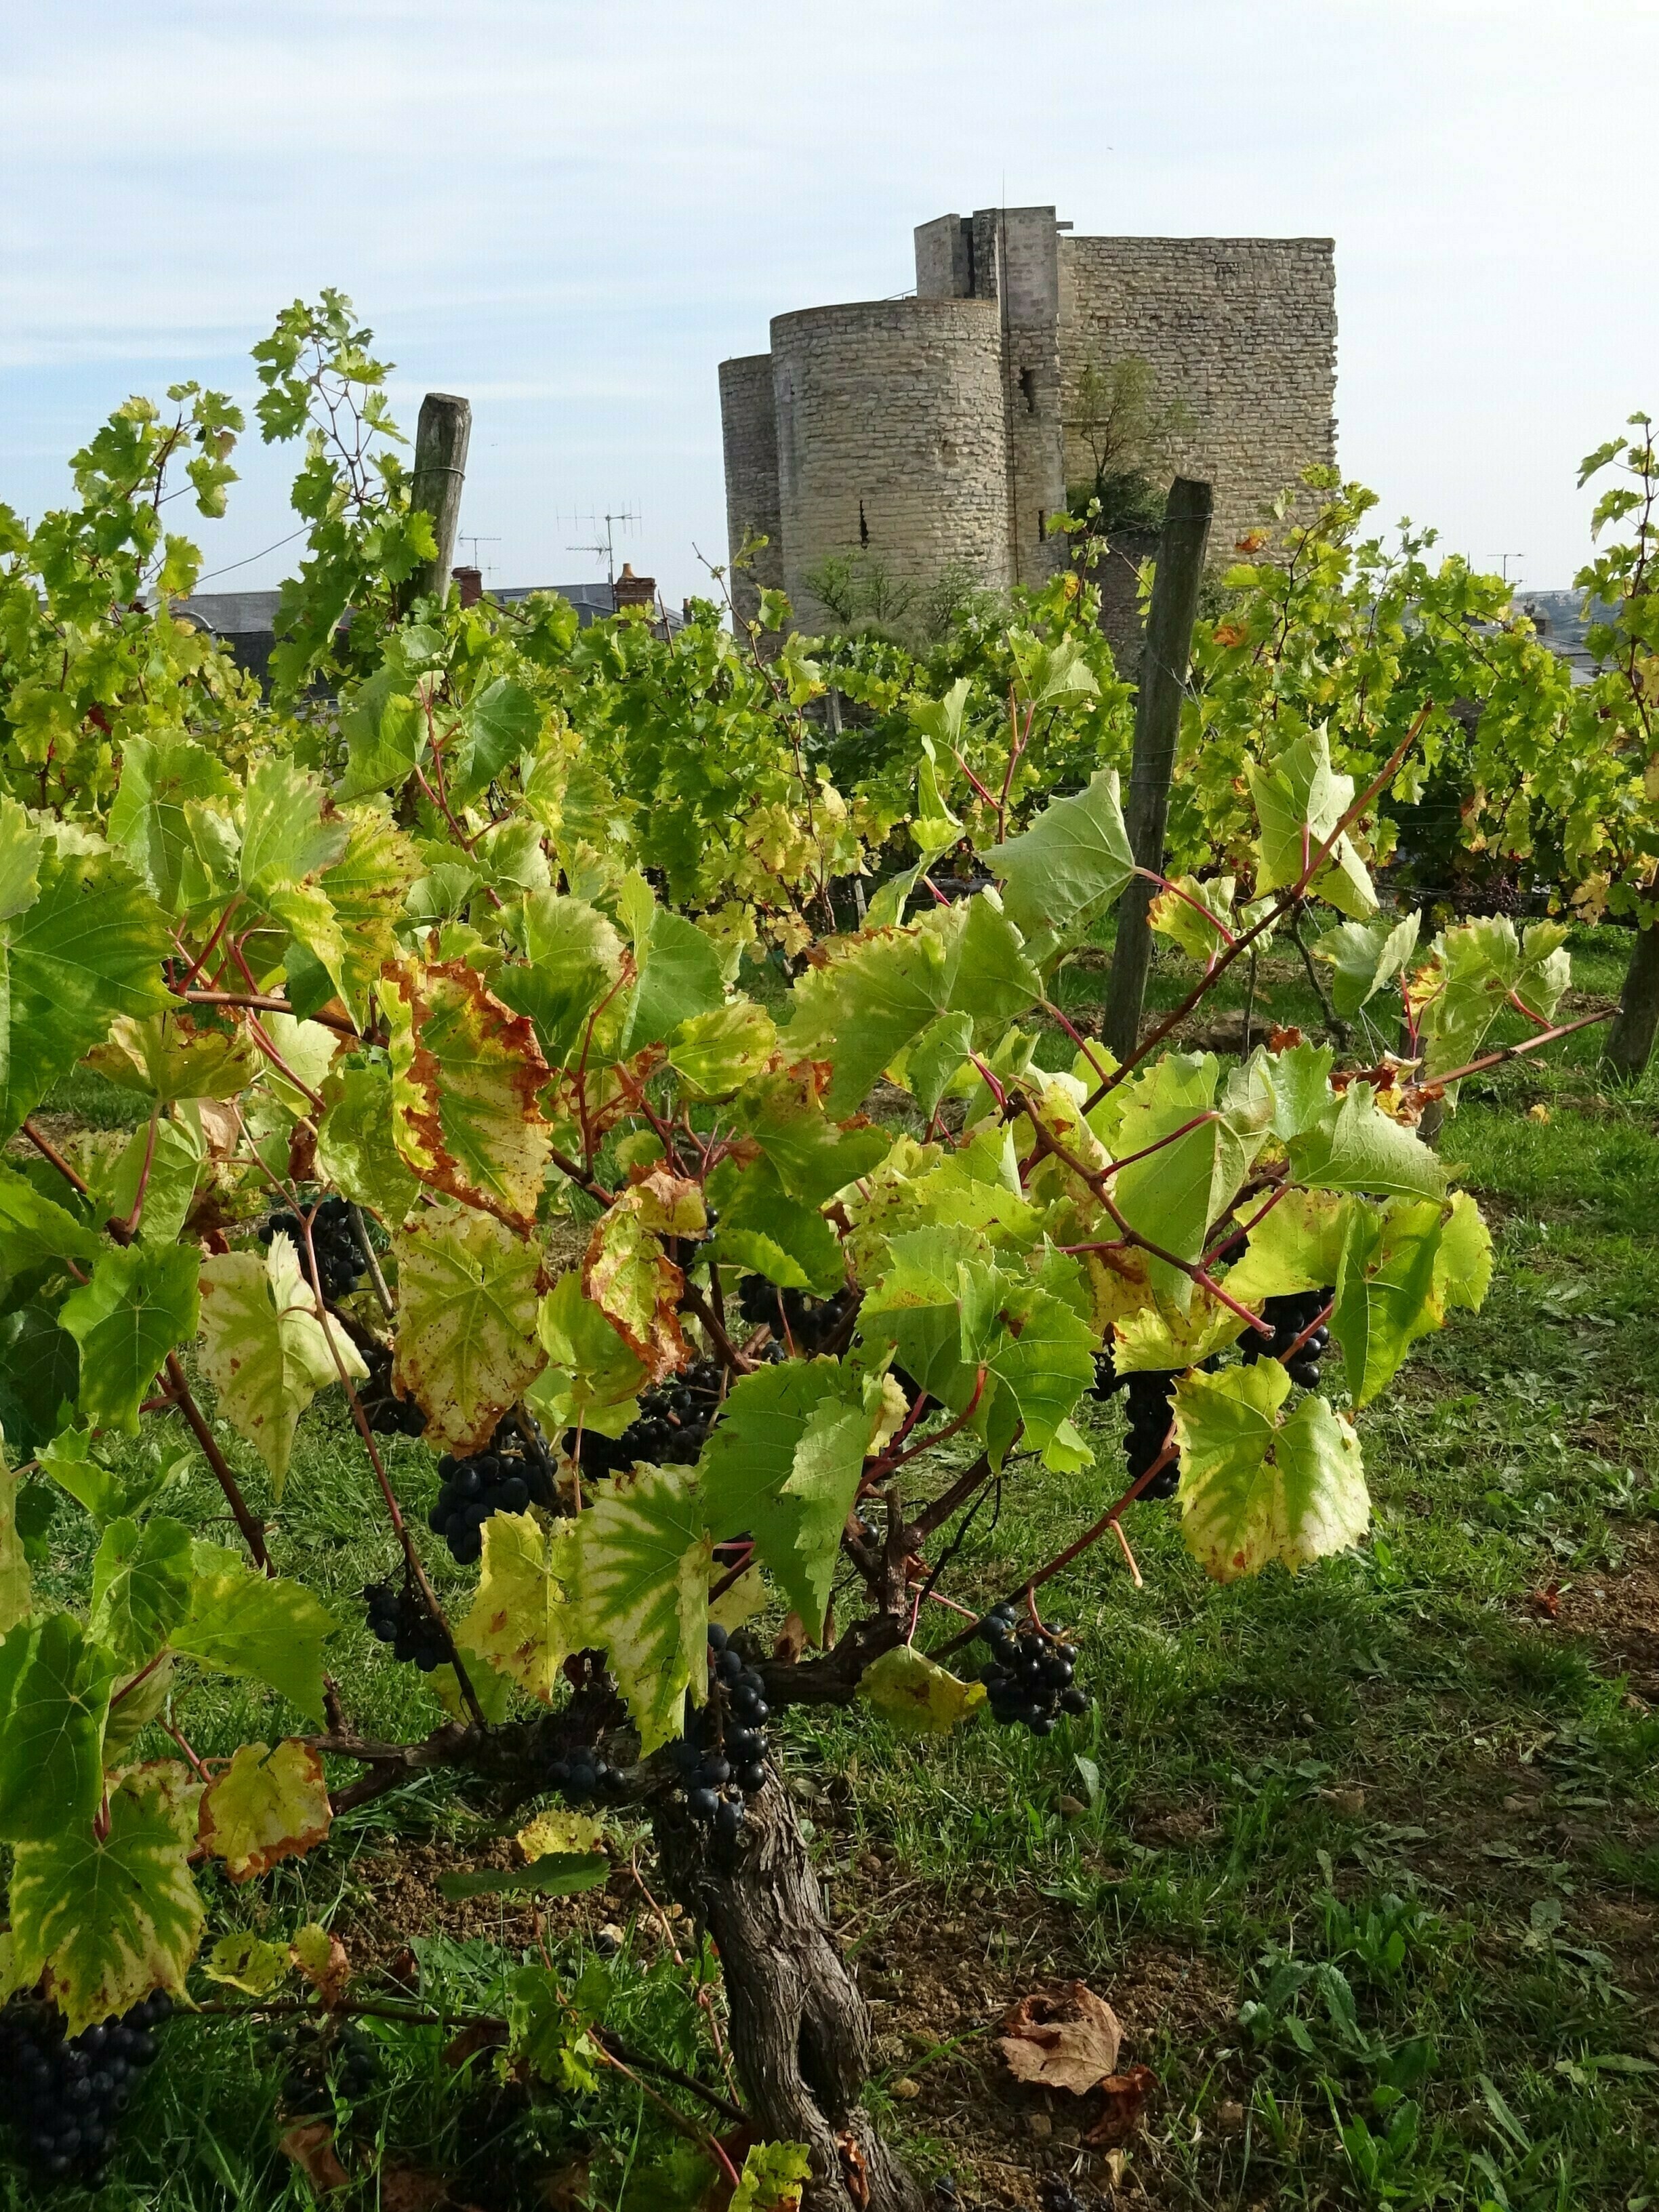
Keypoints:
pixel 1029 1677
pixel 810 1324
pixel 1149 1392
pixel 386 1413
pixel 721 1758
pixel 514 1473
pixel 62 2095
pixel 673 1424
pixel 320 2070
pixel 339 1260
pixel 398 1617
pixel 1290 1315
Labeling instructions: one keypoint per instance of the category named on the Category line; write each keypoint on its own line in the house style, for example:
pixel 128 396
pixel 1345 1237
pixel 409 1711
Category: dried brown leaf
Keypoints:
pixel 1126 2097
pixel 311 2146
pixel 1064 2041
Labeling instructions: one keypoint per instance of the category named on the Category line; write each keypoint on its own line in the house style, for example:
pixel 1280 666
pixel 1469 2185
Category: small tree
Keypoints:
pixel 1133 439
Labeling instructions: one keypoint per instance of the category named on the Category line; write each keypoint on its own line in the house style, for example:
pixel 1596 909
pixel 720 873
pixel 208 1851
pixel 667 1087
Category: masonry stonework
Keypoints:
pixel 938 433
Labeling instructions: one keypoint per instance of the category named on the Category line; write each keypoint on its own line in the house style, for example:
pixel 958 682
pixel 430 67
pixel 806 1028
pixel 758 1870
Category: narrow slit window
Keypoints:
pixel 1028 385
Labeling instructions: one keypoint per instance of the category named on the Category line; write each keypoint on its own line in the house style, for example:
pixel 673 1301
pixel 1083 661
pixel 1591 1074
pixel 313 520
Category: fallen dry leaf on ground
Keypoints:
pixel 311 2146
pixel 1068 2041
pixel 1546 1602
pixel 1126 2097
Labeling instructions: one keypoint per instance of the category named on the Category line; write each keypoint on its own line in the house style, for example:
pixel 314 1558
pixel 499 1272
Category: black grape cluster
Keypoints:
pixel 584 1777
pixel 506 1478
pixel 63 2094
pixel 810 1324
pixel 386 1413
pixel 1055 2194
pixel 1150 1394
pixel 721 1759
pixel 674 1420
pixel 1290 1315
pixel 339 1261
pixel 398 1617
pixel 308 2088
pixel 1030 1676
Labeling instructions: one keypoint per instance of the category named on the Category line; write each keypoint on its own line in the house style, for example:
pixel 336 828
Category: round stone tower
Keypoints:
pixel 891 442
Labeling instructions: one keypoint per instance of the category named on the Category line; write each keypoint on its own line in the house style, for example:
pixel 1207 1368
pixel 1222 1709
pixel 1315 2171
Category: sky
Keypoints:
pixel 572 213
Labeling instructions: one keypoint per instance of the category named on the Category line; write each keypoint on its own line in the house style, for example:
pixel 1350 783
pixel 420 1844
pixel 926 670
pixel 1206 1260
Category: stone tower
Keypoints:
pixel 938 432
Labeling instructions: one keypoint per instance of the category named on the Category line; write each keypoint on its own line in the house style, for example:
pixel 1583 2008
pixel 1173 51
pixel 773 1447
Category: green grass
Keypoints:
pixel 1403 1832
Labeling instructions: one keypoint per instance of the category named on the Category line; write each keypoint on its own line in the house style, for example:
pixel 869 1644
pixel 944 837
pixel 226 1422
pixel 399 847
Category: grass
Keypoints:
pixel 1390 1832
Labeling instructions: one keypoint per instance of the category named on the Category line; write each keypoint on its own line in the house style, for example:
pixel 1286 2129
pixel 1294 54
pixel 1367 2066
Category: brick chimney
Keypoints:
pixel 633 590
pixel 472 583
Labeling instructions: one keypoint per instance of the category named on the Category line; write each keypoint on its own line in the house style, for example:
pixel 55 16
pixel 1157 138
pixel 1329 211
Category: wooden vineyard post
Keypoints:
pixel 1181 550
pixel 441 441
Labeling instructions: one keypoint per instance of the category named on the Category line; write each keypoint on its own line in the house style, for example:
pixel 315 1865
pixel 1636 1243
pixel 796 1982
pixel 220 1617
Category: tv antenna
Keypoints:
pixel 605 548
pixel 470 537
pixel 1503 560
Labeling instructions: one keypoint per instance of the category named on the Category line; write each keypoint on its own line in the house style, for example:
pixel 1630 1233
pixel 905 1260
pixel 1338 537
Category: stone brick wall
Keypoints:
pixel 751 476
pixel 1243 331
pixel 889 439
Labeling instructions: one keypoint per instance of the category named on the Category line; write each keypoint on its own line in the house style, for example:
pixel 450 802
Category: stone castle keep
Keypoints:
pixel 940 432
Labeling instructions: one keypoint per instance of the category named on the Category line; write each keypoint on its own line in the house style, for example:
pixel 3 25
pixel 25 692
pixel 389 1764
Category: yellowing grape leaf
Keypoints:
pixel 916 1695
pixel 1254 1489
pixel 1462 1264
pixel 715 1053
pixel 643 1555
pixel 168 1057
pixel 266 1805
pixel 466 1073
pixel 522 1619
pixel 1384 1291
pixel 139 1303
pixel 110 1918
pixel 627 1275
pixel 774 2175
pixel 1155 1338
pixel 264 1349
pixel 321 1958
pixel 562 1832
pixel 592 1379
pixel 466 1347
pixel 248 1963
pixel 1296 1245
pixel 355 1149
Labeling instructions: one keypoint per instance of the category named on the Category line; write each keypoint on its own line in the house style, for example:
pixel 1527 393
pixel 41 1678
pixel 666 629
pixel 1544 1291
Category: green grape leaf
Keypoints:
pixel 987 973
pixel 139 1303
pixel 67 1460
pixel 497 724
pixel 16 1593
pixel 37 1234
pixel 89 948
pixel 1045 1361
pixel 466 1344
pixel 1296 1246
pixel 782 1466
pixel 465 1074
pixel 1462 1264
pixel 575 960
pixel 255 1627
pixel 814 1158
pixel 366 889
pixel 860 1010
pixel 1070 866
pixel 937 1304
pixel 935 1058
pixel 1476 968
pixel 714 1053
pixel 54 1693
pixel 932 825
pixel 1196 916
pixel 523 1618
pixel 19 860
pixel 1299 1080
pixel 169 1057
pixel 592 1380
pixel 155 821
pixel 627 1275
pixel 166 1166
pixel 140 1581
pixel 555 1873
pixel 764 1229
pixel 265 1806
pixel 110 1918
pixel 643 1555
pixel 1299 800
pixel 916 1695
pixel 1254 1489
pixel 290 832
pixel 1384 1291
pixel 774 2176
pixel 1355 1146
pixel 548 2031
pixel 264 1349
pixel 679 976
pixel 1173 1195
pixel 357 1151
pixel 385 727
pixel 1364 956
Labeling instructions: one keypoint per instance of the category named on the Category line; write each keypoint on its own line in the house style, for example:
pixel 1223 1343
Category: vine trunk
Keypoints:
pixel 801 2033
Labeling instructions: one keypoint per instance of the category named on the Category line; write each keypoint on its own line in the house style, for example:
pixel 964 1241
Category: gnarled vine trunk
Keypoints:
pixel 1630 1043
pixel 800 2034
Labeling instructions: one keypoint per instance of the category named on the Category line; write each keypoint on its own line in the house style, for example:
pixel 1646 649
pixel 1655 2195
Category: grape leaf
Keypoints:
pixel 1195 915
pixel 935 1057
pixel 141 1581
pixel 266 1805
pixel 264 1349
pixel 497 724
pixel 643 1586
pixel 863 1006
pixel 916 1695
pixel 1296 1245
pixel 592 1379
pixel 385 727
pixel 36 1233
pixel 575 960
pixel 248 1963
pixel 1462 1266
pixel 15 1597
pixel 165 1163
pixel 290 832
pixel 40 1374
pixel 679 976
pixel 1299 800
pixel 90 947
pixel 255 1627
pixel 356 1152
pixel 1299 1080
pixel 1384 1291
pixel 1157 1338
pixel 523 1619
pixel 366 888
pixel 1355 1146
pixel 1045 1361
pixel 140 1304
pixel 782 1466
pixel 1173 1195
pixel 937 1304
pixel 1070 866
pixel 466 1073
pixel 714 1054
pixel 110 1918
pixel 814 1158
pixel 1254 1489
pixel 763 1229
pixel 466 1346
pixel 987 973
pixel 774 2176
pixel 54 1693
pixel 1476 967
pixel 1365 955
pixel 555 1873
pixel 627 1274
pixel 169 1057
pixel 165 782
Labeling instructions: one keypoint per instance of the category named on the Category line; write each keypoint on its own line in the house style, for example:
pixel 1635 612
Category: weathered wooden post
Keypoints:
pixel 1181 549
pixel 441 443
pixel 1630 1041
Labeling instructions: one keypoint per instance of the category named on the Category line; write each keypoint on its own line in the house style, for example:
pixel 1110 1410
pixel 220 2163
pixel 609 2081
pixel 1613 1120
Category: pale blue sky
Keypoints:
pixel 573 212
